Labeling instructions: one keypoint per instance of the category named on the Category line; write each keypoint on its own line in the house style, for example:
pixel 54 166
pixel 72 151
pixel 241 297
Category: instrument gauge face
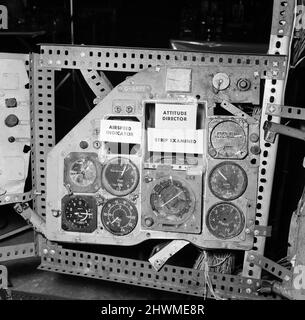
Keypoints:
pixel 79 214
pixel 228 139
pixel 83 172
pixel 225 221
pixel 120 176
pixel 119 216
pixel 172 201
pixel 228 181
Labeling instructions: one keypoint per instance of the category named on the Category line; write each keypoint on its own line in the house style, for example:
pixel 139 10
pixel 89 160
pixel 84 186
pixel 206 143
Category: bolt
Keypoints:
pixel 56 213
pixel 275 72
pixel 248 290
pixel 247 231
pixel 255 150
pixel 251 257
pixel 249 281
pixel 45 251
pixel 117 109
pixel 256 232
pixel 50 61
pixel 52 252
pixel 82 54
pixel 148 179
pixel 254 137
pixel 11 139
pixel 149 222
pixel 58 62
pixel 129 109
pixel 96 144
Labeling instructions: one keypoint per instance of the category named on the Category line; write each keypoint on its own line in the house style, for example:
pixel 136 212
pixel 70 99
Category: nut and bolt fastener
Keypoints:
pixel 254 137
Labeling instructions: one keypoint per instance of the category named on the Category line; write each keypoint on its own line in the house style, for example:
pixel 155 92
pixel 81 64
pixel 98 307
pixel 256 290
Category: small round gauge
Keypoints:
pixel 228 140
pixel 119 216
pixel 78 213
pixel 120 176
pixel 83 172
pixel 228 181
pixel 225 221
pixel 171 200
pixel 221 81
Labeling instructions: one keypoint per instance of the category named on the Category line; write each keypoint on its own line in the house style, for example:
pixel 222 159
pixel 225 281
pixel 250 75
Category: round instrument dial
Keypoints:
pixel 120 176
pixel 221 81
pixel 83 172
pixel 225 221
pixel 228 181
pixel 172 201
pixel 78 213
pixel 119 216
pixel 228 140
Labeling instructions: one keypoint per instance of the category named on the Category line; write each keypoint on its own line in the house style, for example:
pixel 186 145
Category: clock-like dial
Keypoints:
pixel 120 176
pixel 228 181
pixel 172 201
pixel 225 221
pixel 119 216
pixel 79 213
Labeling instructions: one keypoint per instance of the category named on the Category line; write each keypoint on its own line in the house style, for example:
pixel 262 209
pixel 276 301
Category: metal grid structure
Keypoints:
pixel 55 57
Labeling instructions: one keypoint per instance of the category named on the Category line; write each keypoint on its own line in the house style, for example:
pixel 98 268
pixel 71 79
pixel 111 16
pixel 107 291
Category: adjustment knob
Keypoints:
pixel 11 121
pixel 244 84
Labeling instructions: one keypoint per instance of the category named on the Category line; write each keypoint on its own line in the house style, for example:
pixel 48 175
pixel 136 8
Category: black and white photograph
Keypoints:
pixel 152 158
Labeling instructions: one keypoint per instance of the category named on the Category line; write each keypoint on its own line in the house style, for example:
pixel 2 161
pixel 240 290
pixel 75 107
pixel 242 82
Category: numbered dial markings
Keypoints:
pixel 228 181
pixel 79 214
pixel 228 140
pixel 119 216
pixel 225 221
pixel 83 172
pixel 172 201
pixel 120 176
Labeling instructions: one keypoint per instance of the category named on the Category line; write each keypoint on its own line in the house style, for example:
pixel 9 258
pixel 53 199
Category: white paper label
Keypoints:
pixel 175 116
pixel 121 131
pixel 178 79
pixel 175 140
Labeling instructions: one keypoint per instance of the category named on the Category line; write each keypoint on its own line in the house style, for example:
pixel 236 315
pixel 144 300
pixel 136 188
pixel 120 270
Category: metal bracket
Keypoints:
pixel 262 231
pixel 159 259
pixel 16 197
pixel 3 277
pixel 141 273
pixel 236 111
pixel 285 111
pixel 98 83
pixel 21 251
pixel 270 266
pixel 39 224
pixel 272 129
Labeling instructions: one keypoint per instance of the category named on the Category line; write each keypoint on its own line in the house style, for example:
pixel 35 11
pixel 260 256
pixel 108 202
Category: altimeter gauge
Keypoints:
pixel 119 216
pixel 120 176
pixel 225 221
pixel 79 213
pixel 228 181
pixel 172 201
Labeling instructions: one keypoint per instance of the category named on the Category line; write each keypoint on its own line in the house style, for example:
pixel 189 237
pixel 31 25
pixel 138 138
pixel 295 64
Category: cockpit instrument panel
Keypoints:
pixel 154 160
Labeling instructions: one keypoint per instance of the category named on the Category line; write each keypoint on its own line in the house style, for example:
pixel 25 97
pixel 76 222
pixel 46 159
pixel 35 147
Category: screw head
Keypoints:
pixel 212 152
pixel 52 252
pixel 149 222
pixel 255 150
pixel 96 144
pixel 45 251
pixel 249 281
pixel 254 137
pixel 248 290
